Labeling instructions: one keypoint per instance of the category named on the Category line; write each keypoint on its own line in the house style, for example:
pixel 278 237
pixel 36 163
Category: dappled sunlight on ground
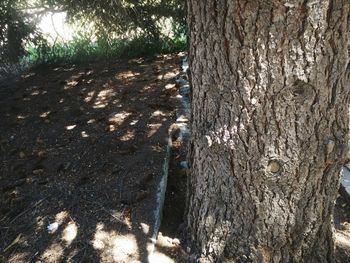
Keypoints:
pixel 343 239
pixel 19 257
pixel 118 118
pixel 103 98
pixel 342 230
pixel 53 253
pixel 127 76
pixel 114 247
pixel 153 128
pixel 70 233
pixel 81 154
pixel 127 136
pixel 158 257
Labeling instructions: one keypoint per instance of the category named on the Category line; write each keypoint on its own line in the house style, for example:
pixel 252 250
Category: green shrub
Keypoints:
pixel 82 49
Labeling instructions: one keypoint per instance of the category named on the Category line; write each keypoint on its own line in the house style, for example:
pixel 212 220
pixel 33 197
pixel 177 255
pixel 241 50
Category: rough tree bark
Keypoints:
pixel 269 127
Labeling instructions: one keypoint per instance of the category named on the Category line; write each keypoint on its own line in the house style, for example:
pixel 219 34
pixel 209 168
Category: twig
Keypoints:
pixel 116 218
pixel 33 257
pixel 14 242
pixel 122 181
pixel 105 210
pixel 27 210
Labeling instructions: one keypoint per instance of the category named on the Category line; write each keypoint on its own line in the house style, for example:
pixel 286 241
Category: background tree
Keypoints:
pixel 111 20
pixel 270 127
pixel 16 28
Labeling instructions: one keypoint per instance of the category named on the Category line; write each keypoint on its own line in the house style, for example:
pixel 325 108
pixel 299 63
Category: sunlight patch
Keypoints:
pixel 129 135
pixel 22 117
pixel 147 88
pixel 119 118
pixel 158 113
pixel 91 121
pixel 127 75
pixel 89 96
pixel 53 253
pixel 61 216
pixel 124 247
pixel 102 98
pixel 152 129
pixel 31 74
pixel 71 84
pixel 113 247
pixel 70 127
pixel 342 240
pixel 35 93
pixel 111 128
pixel 134 122
pixel 19 257
pixel 145 228
pixel 170 75
pixel 84 134
pixel 158 257
pixel 70 233
pixel 101 237
pixel 45 114
pixel 156 148
pixel 39 223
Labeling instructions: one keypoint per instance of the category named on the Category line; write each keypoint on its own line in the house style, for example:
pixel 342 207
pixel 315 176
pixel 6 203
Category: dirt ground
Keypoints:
pixel 81 150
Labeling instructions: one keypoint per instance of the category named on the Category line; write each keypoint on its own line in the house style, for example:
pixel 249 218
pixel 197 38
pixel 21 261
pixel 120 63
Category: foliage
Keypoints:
pixel 16 28
pixel 81 49
pixel 121 28
pixel 122 16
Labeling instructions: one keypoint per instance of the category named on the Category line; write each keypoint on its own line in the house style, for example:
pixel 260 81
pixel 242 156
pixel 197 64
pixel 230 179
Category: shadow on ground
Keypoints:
pixel 82 146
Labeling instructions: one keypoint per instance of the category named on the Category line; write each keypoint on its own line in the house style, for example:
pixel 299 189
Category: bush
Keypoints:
pixel 121 29
pixel 82 49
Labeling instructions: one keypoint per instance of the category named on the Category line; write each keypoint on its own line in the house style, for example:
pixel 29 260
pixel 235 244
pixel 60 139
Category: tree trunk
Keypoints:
pixel 270 88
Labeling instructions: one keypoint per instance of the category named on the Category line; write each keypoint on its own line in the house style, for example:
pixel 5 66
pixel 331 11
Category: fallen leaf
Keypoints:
pixel 39 141
pixel 14 242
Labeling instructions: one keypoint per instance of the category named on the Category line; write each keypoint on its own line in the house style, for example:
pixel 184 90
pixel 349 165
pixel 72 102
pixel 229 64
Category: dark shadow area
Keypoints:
pixel 342 229
pixel 83 146
pixel 175 197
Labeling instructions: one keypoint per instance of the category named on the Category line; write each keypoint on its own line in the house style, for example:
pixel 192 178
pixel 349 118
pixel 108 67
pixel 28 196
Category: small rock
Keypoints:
pixel 38 171
pixel 184 164
pixel 180 82
pixel 51 228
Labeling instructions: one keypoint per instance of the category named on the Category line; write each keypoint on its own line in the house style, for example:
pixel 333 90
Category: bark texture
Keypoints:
pixel 270 88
